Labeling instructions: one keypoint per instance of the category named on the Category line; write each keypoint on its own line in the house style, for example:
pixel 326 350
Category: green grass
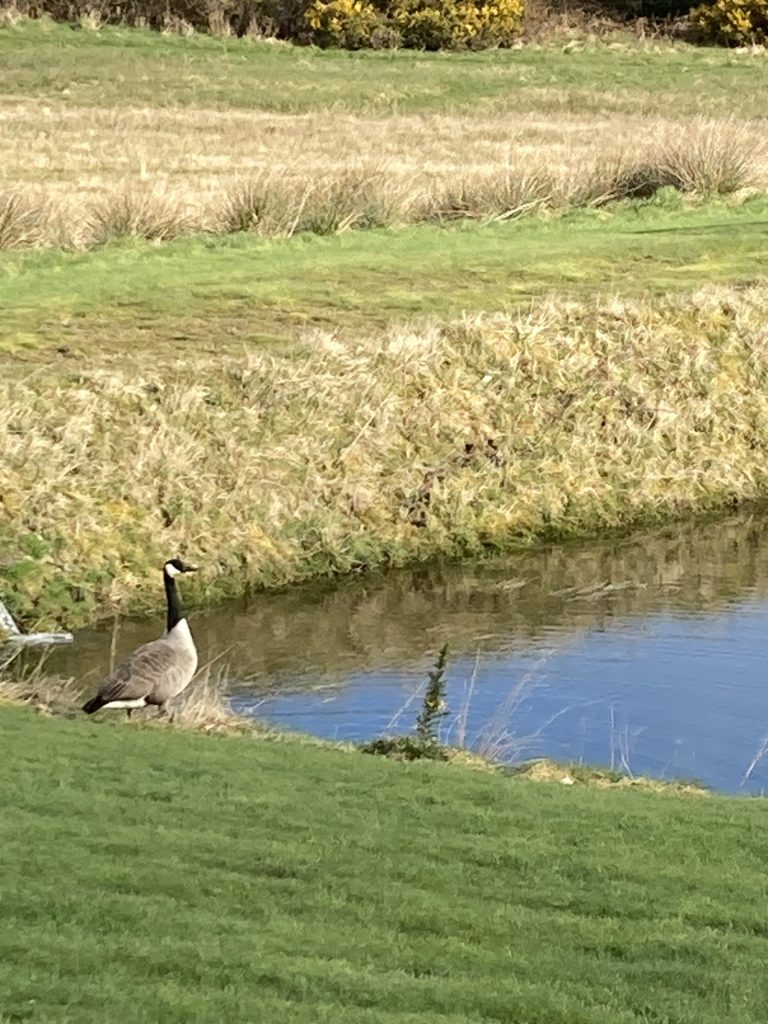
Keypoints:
pixel 102 68
pixel 151 875
pixel 219 292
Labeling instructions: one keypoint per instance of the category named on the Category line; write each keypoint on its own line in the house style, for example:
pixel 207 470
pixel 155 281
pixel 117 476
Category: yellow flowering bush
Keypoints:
pixel 416 24
pixel 500 21
pixel 346 23
pixel 732 22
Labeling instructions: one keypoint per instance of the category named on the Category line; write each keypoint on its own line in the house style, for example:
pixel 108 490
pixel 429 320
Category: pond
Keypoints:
pixel 646 652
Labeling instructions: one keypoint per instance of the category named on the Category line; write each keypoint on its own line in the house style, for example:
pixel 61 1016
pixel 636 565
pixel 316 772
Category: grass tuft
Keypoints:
pixel 154 214
pixel 204 707
pixel 708 160
pixel 23 681
pixel 24 221
pixel 246 205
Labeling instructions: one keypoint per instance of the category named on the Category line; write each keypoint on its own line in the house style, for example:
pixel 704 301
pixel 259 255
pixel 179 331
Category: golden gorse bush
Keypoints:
pixel 732 22
pixel 416 24
pixel 347 23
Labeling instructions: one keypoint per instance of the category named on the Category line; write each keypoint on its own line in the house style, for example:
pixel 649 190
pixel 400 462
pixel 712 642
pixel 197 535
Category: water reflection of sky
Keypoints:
pixel 672 696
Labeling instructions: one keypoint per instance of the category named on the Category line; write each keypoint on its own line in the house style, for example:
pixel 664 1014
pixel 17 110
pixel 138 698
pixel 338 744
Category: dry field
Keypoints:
pixel 79 177
pixel 107 134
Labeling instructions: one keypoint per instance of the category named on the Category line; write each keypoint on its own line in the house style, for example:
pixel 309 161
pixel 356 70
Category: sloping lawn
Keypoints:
pixel 149 875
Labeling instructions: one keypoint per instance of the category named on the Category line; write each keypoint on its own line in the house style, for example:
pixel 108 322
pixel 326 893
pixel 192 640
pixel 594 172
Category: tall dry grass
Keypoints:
pixel 270 468
pixel 25 681
pixel 185 171
pixel 25 220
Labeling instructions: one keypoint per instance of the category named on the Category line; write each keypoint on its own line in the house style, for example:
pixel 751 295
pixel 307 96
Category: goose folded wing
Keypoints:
pixel 139 674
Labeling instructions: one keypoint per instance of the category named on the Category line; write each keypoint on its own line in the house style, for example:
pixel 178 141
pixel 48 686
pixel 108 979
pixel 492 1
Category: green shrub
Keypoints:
pixel 426 743
pixel 433 708
pixel 426 25
pixel 732 22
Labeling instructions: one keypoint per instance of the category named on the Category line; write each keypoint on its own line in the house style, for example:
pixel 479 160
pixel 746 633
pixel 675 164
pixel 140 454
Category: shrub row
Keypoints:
pixel 352 24
pixel 416 24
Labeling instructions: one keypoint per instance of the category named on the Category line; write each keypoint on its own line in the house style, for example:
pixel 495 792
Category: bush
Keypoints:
pixel 426 743
pixel 417 24
pixel 346 23
pixel 732 22
pixel 351 24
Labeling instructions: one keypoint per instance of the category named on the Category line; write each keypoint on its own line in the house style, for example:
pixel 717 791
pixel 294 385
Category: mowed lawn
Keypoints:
pixel 150 875
pixel 217 293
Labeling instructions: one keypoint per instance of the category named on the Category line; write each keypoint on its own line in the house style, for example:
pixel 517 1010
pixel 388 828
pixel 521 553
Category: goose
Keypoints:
pixel 158 671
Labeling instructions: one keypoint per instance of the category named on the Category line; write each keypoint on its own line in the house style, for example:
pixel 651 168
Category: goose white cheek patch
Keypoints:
pixel 171 569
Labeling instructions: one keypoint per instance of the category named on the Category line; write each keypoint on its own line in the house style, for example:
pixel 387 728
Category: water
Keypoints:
pixel 648 652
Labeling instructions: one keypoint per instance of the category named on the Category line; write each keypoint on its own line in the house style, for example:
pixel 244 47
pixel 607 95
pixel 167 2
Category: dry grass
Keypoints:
pixel 271 469
pixel 25 220
pixel 153 213
pixel 82 177
pixel 203 707
pixel 544 770
pixel 23 681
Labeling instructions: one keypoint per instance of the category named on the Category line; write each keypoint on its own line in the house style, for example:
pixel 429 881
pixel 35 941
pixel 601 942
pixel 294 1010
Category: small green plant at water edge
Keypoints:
pixel 433 708
pixel 426 743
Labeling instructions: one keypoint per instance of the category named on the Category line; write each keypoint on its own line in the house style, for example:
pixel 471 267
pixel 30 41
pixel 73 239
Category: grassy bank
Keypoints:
pixel 158 875
pixel 453 440
pixel 277 406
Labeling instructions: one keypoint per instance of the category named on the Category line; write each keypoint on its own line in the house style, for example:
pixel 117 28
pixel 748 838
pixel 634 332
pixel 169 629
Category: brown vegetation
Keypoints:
pixel 278 468
pixel 188 171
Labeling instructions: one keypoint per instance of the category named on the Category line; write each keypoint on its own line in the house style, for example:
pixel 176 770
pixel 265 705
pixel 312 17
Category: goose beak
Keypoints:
pixel 190 568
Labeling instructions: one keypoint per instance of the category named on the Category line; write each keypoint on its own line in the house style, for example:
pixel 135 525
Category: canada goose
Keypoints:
pixel 158 671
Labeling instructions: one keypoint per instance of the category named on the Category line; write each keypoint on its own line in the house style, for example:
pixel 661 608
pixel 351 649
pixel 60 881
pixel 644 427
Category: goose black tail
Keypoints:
pixel 93 705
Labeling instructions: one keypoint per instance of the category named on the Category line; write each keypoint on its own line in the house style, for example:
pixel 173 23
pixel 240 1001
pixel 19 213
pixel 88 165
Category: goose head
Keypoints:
pixel 175 566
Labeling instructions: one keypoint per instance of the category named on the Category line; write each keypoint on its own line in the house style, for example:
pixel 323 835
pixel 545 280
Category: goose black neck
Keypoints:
pixel 175 614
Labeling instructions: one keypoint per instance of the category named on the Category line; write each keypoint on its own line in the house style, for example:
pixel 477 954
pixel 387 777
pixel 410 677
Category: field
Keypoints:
pixel 182 133
pixel 157 875
pixel 295 314
pixel 246 258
